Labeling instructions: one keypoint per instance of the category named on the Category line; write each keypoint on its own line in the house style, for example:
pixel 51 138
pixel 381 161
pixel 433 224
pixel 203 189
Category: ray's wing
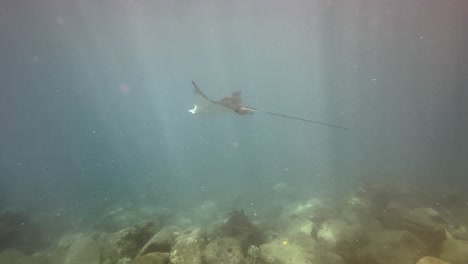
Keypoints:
pixel 198 92
pixel 203 104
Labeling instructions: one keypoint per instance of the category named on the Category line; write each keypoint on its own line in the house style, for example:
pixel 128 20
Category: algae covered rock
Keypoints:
pixel 397 216
pixel 134 239
pixel 163 241
pixel 282 252
pixel 314 251
pixel 223 250
pixel 127 243
pixel 337 235
pixel 152 258
pixel 103 248
pixel 315 210
pixel 57 255
pixel 295 224
pixel 390 247
pixel 187 248
pixel 431 260
pixel 455 251
pixel 298 250
pixel 84 249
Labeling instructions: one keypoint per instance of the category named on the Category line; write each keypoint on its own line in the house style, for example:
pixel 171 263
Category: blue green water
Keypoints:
pixel 94 98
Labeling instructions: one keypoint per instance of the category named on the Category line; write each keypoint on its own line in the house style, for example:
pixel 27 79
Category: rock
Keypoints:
pixel 282 252
pixel 134 239
pixel 314 210
pixel 298 250
pixel 12 256
pixel 59 253
pixel 152 258
pixel 372 198
pixel 127 243
pixel 451 224
pixel 361 211
pixel 390 247
pixel 431 260
pixel 57 256
pixel 459 232
pixel 123 260
pixel 455 251
pixel 163 241
pixel 295 224
pixel 223 250
pixel 314 251
pixel 340 236
pixel 84 249
pixel 397 216
pixel 187 248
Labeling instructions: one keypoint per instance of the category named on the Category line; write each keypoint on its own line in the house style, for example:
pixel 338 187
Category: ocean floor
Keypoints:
pixel 374 223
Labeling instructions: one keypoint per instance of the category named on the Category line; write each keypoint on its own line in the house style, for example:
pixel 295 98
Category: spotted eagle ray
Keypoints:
pixel 203 104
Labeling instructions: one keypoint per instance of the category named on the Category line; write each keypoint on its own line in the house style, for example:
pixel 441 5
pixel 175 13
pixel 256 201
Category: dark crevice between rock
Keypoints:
pixel 238 226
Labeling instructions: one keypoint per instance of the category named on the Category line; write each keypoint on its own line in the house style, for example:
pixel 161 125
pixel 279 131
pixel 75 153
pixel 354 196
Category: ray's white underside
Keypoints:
pixel 204 105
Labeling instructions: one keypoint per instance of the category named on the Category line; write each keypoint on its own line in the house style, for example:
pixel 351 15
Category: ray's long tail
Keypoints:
pixel 295 118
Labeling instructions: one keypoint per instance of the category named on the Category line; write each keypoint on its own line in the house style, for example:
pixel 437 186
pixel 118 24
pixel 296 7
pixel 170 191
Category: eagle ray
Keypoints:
pixel 203 104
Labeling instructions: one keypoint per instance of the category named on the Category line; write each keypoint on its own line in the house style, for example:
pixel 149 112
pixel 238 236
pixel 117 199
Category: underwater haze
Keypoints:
pixel 94 100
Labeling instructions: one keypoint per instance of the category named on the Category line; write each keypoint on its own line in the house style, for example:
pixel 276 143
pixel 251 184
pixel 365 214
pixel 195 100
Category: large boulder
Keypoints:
pixel 59 253
pixel 297 250
pixel 187 248
pixel 455 251
pixel 314 251
pixel 360 210
pixel 315 210
pixel 152 258
pixel 282 252
pixel 339 236
pixel 127 243
pixel 84 249
pixel 293 224
pixel 390 247
pixel 163 241
pixel 223 250
pixel 431 260
pixel 417 222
